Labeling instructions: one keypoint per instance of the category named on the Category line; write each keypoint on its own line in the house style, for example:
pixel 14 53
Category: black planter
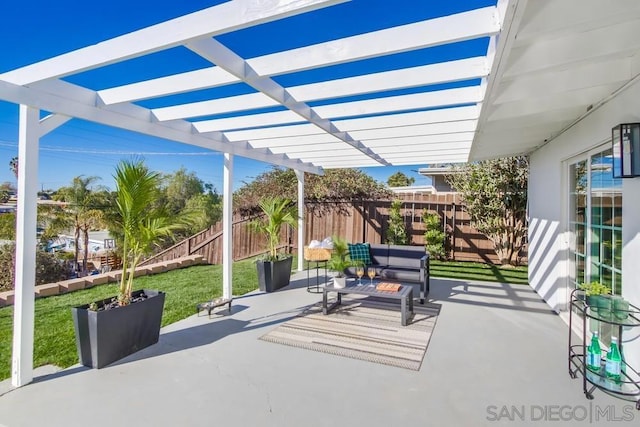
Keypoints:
pixel 273 275
pixel 102 337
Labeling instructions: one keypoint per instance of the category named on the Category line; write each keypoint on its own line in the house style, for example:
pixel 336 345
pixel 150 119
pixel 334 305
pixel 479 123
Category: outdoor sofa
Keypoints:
pixel 402 263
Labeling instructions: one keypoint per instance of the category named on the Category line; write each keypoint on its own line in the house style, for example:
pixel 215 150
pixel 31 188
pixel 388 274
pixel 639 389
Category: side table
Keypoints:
pixel 322 263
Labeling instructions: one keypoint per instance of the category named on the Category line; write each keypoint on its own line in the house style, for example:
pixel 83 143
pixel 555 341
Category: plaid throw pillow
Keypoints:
pixel 360 252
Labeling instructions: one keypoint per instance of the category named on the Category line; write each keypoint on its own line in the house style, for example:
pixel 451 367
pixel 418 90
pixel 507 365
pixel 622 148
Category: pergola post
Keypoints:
pixel 26 238
pixel 227 226
pixel 300 176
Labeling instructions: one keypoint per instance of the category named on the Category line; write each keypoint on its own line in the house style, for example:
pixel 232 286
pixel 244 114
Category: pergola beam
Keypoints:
pixel 424 100
pixel 294 141
pixel 411 141
pixel 390 121
pixel 274 132
pixel 425 75
pixel 217 53
pixel 346 164
pixel 226 17
pixel 443 115
pixel 337 149
pixel 78 104
pixel 52 122
pixel 417 130
pixel 458 148
pixel 464 69
pixel 459 27
pixel 205 78
pixel 454 28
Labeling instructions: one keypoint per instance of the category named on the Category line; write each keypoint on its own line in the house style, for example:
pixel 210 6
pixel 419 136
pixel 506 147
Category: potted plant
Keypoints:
pixel 274 268
pixel 339 262
pixel 113 328
pixel 594 291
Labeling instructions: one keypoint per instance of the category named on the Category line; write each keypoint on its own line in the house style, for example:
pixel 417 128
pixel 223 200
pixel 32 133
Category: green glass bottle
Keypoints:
pixel 613 365
pixel 594 353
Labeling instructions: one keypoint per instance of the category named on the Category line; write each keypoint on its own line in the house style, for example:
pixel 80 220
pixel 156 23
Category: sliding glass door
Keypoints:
pixel 595 226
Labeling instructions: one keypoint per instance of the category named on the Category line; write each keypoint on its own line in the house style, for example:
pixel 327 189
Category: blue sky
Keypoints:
pixel 36 30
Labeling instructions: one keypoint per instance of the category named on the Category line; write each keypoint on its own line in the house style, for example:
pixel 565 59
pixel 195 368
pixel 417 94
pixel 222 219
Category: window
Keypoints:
pixel 595 221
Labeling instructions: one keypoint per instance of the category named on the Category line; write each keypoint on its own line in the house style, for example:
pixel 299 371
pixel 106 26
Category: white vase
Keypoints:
pixel 339 282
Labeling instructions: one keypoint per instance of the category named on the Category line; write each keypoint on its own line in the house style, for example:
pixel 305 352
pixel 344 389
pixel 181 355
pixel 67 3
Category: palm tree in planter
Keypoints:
pixel 113 328
pixel 274 269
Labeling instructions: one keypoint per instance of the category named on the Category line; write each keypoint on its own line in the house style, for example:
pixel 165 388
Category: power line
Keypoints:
pixel 103 152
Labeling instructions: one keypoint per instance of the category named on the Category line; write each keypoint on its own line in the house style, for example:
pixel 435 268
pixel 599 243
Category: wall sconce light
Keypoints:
pixel 626 150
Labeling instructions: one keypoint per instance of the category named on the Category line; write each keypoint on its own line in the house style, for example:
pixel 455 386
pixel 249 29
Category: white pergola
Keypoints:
pixel 540 67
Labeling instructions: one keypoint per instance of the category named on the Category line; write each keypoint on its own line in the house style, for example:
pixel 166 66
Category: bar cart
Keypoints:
pixel 626 388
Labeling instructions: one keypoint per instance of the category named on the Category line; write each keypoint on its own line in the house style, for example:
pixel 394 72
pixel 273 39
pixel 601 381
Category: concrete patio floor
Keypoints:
pixel 498 355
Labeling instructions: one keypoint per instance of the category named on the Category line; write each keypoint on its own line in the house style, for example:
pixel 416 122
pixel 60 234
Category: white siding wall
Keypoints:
pixel 548 268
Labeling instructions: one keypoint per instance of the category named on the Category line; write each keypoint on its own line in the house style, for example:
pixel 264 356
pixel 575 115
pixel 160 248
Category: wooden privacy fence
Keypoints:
pixel 360 221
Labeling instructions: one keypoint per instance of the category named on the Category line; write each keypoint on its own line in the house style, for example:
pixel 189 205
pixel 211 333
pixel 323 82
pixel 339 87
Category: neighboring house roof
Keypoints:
pixel 418 189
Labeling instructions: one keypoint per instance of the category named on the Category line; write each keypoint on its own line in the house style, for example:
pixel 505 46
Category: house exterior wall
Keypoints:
pixel 548 239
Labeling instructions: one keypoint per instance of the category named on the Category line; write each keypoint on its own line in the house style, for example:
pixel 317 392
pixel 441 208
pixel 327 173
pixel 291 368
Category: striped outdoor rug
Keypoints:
pixel 364 329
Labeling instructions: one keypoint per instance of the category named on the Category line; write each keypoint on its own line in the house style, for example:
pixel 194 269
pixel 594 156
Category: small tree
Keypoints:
pixel 397 231
pixel 399 179
pixel 139 217
pixel 434 236
pixel 495 196
pixel 83 212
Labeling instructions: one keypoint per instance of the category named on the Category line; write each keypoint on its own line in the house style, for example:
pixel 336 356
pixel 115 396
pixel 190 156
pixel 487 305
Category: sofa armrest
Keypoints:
pixel 424 278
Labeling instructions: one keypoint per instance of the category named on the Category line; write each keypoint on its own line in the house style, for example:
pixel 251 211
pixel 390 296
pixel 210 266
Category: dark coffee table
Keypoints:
pixel 405 295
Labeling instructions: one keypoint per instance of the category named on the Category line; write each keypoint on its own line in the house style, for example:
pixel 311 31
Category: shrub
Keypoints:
pixel 397 231
pixel 48 267
pixel 434 236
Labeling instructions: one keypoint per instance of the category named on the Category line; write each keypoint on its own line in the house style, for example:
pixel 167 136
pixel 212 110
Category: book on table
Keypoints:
pixel 388 287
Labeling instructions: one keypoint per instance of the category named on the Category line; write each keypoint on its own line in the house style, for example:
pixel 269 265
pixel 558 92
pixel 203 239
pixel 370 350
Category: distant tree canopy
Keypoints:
pixel 337 186
pixel 495 196
pixel 179 187
pixel 185 195
pixel 399 179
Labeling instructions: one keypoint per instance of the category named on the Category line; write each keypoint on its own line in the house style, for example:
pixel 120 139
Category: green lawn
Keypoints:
pixel 477 271
pixel 54 335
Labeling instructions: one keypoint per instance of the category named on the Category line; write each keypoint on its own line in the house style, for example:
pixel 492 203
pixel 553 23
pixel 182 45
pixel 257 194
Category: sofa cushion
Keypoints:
pixel 379 253
pixel 405 256
pixel 400 274
pixel 359 252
